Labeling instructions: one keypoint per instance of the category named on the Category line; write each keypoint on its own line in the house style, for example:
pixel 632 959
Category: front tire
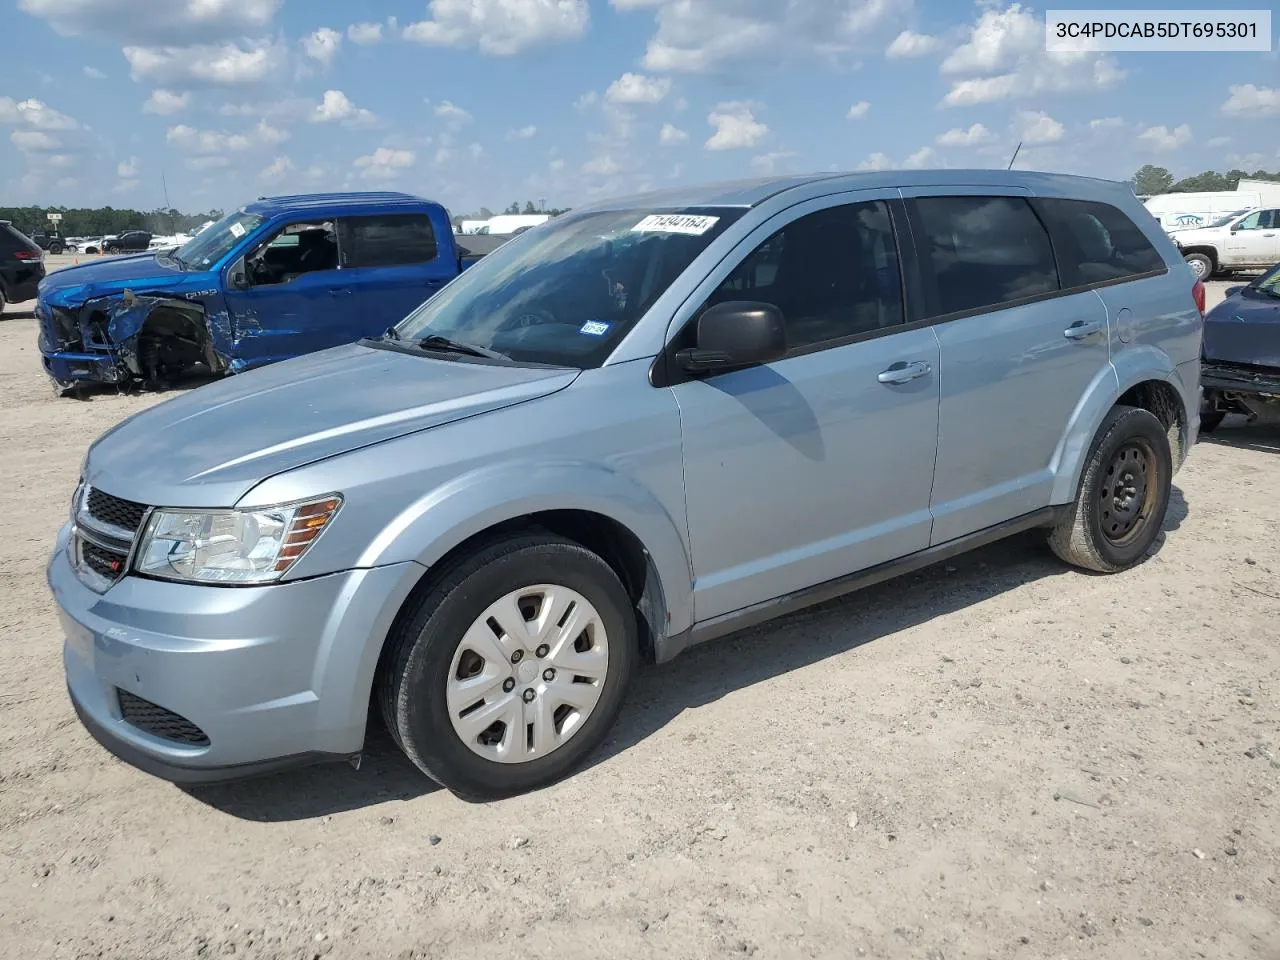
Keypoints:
pixel 3 302
pixel 512 668
pixel 113 250
pixel 1123 496
pixel 1201 265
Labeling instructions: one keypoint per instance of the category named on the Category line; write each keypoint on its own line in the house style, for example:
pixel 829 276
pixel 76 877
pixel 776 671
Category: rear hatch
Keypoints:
pixel 21 260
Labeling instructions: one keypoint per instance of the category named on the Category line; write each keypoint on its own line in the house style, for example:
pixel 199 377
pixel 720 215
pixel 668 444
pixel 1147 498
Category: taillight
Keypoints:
pixel 29 254
pixel 1197 293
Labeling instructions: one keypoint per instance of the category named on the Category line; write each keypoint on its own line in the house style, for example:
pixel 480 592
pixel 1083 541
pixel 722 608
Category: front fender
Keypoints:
pixel 427 529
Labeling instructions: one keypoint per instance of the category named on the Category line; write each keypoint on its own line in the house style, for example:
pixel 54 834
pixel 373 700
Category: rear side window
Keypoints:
pixel 1097 243
pixel 984 252
pixel 387 241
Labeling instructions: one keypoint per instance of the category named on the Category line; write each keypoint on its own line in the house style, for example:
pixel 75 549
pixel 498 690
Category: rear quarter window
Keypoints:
pixel 387 241
pixel 1097 243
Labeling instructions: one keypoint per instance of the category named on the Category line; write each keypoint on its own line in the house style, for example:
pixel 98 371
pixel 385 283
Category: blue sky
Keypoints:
pixel 477 102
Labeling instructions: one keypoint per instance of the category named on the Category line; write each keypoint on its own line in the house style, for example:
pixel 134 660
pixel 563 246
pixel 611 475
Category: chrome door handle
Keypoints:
pixel 903 372
pixel 1082 329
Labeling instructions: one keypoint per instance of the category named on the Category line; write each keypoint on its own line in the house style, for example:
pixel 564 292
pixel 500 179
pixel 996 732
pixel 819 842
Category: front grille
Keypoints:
pixel 115 511
pixel 105 563
pixel 159 722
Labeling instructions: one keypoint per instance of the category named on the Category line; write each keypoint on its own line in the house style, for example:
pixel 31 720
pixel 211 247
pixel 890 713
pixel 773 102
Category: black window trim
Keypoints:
pixel 665 372
pixel 350 219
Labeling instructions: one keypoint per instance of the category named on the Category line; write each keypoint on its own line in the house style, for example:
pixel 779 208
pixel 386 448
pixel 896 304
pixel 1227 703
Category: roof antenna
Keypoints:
pixel 1015 155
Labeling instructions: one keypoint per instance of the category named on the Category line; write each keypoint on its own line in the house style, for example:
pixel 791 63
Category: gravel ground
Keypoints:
pixel 996 758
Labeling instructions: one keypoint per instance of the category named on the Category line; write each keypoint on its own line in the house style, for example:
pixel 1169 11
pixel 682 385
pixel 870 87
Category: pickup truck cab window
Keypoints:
pixel 387 241
pixel 567 292
pixel 1260 220
pixel 293 250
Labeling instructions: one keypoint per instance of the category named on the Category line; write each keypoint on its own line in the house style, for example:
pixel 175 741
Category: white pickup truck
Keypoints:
pixel 1246 241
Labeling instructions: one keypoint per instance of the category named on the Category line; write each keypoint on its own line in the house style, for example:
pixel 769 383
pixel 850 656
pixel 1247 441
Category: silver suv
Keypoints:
pixel 638 427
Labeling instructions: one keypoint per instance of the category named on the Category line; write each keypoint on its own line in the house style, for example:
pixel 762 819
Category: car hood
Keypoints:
pixel 1244 328
pixel 1190 235
pixel 209 447
pixel 142 273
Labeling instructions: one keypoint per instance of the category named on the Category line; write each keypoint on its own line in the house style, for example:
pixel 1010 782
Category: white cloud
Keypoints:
pixel 958 137
pixel 602 166
pixel 32 141
pixel 877 161
pixel 213 162
pixel 1106 123
pixel 365 34
pixel 385 163
pixel 323 45
pixel 909 44
pixel 60 161
pixel 127 169
pixel 671 135
pixel 266 133
pixel 1256 101
pixel 93 73
pixel 166 102
pixel 197 141
pixel 523 133
pixel 336 107
pixel 276 170
pixel 451 113
pixel 34 114
pixel 1162 138
pixel 1004 58
pixel 859 110
pixel 227 64
pixel 1217 142
pixel 637 88
pixel 769 163
pixel 924 157
pixel 1037 127
pixel 500 27
pixel 704 35
pixel 173 21
pixel 736 127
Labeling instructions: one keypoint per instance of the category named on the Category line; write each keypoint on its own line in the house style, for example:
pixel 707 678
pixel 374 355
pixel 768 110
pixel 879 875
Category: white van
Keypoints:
pixel 471 227
pixel 508 223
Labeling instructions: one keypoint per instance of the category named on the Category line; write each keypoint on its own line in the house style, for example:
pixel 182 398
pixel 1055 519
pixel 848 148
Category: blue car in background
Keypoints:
pixel 276 279
pixel 1241 368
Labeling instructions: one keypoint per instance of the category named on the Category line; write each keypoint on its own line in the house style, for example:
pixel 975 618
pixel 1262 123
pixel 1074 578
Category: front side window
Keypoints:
pixel 292 251
pixel 1260 220
pixel 984 252
pixel 833 274
pixel 568 292
pixel 1096 242
pixel 387 241
pixel 214 242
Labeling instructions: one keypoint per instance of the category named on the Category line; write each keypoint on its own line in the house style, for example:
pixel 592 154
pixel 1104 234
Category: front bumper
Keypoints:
pixel 272 676
pixel 1239 378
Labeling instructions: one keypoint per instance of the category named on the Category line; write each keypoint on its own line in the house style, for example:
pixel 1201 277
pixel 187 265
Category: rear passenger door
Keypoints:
pixel 391 263
pixel 1017 353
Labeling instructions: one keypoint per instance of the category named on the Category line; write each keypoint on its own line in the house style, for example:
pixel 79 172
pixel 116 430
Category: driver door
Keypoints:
pixel 1255 241
pixel 295 300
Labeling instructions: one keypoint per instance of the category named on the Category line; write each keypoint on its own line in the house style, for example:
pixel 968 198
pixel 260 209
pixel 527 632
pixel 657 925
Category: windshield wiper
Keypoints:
pixel 434 341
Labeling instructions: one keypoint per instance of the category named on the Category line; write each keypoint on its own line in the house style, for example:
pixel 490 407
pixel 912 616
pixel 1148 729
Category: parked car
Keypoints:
pixel 89 245
pixel 131 241
pixel 644 425
pixel 1250 241
pixel 278 278
pixel 1241 370
pixel 50 241
pixel 21 265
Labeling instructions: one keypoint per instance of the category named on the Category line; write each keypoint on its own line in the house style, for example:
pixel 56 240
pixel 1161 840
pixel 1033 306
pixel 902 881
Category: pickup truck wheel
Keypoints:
pixel 512 668
pixel 1123 495
pixel 1201 265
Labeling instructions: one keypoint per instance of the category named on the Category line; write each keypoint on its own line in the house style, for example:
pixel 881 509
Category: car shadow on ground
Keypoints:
pixel 15 314
pixel 1239 433
pixel 696 678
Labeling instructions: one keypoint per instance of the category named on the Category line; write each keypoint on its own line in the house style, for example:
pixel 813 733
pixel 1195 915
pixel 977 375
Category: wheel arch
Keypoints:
pixel 1209 251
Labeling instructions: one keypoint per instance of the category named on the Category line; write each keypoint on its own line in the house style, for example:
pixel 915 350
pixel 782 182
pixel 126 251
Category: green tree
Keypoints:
pixel 1206 182
pixel 1151 180
pixel 529 207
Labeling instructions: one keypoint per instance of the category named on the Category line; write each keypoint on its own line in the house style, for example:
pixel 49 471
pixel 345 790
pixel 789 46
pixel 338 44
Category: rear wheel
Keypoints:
pixel 1201 265
pixel 1123 495
pixel 113 249
pixel 55 248
pixel 512 669
pixel 3 301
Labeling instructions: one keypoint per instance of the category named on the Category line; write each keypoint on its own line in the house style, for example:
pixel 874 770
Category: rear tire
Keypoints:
pixel 447 667
pixel 1124 494
pixel 55 249
pixel 3 301
pixel 113 250
pixel 1201 265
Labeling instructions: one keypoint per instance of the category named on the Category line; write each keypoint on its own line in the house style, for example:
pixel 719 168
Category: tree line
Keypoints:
pixel 1151 180
pixel 100 221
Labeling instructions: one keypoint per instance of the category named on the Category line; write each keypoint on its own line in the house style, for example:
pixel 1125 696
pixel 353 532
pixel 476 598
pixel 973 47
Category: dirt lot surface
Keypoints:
pixel 996 758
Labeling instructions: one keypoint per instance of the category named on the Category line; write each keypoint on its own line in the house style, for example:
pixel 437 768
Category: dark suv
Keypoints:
pixel 50 241
pixel 21 265
pixel 131 241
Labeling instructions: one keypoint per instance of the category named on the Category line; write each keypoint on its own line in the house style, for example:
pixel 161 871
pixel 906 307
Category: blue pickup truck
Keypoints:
pixel 276 279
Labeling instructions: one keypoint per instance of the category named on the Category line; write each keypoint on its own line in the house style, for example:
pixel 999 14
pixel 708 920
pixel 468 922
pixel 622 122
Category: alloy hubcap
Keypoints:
pixel 527 674
pixel 1127 493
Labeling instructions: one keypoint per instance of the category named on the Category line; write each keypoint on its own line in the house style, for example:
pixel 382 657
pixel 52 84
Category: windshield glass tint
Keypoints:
pixel 566 292
pixel 1223 221
pixel 1269 282
pixel 215 242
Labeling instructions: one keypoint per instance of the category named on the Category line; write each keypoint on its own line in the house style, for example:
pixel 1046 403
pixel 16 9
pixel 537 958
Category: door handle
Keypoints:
pixel 1082 329
pixel 339 291
pixel 903 372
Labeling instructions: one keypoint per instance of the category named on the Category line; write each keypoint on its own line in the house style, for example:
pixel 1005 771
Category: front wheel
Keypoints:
pixel 1201 265
pixel 512 668
pixel 1124 493
pixel 55 249
pixel 113 249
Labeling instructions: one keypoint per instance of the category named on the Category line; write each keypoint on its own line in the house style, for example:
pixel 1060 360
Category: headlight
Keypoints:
pixel 232 546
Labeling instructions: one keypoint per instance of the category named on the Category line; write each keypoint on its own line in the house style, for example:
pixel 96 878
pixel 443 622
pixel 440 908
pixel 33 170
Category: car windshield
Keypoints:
pixel 216 241
pixel 1269 282
pixel 1223 221
pixel 567 292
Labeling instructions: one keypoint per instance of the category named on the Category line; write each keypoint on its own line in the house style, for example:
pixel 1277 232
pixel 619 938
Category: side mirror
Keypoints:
pixel 736 334
pixel 237 279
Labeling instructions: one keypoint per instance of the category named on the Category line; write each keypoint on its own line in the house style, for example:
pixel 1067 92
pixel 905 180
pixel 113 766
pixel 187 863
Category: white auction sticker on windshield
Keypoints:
pixel 690 224
pixel 237 230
